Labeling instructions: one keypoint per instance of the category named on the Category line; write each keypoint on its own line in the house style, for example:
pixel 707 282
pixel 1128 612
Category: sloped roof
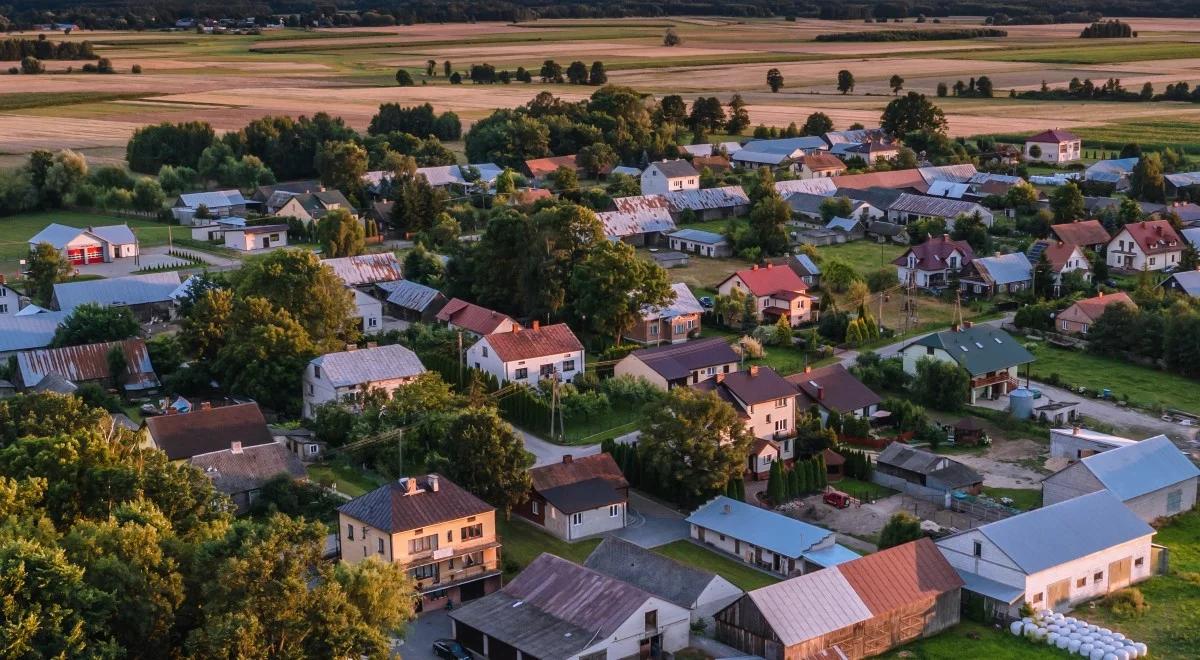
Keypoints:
pixel 1081 232
pixel 618 224
pixel 391 508
pixel 1004 269
pixel 1058 254
pixel 844 224
pixel 707 198
pixel 1155 236
pixel 855 135
pixel 935 206
pixel 59 235
pixel 1188 280
pixel 978 349
pixel 56 384
pixel 752 155
pixel 751 386
pixel 369 365
pixel 582 484
pixel 410 295
pixel 203 431
pixel 806 203
pixel 768 280
pixel 115 234
pixel 674 169
pixel 933 253
pixel 212 200
pixel 775 532
pixel 1062 532
pixel 823 186
pixel 118 291
pixel 1093 307
pixel 472 317
pixel 787 145
pixel 532 343
pixel 19 332
pixel 698 236
pixel 233 473
pixel 1110 171
pixel 821 161
pixel 1053 136
pixel 675 361
pixel 961 172
pixel 545 166
pixel 897 577
pixel 89 362
pixel 835 388
pixel 951 189
pixel 366 268
pixel 445 175
pixel 809 606
pixel 1141 468
pixel 648 570
pixel 685 302
pixel 892 179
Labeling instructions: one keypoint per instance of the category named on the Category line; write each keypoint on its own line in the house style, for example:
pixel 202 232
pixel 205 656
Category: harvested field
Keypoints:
pixel 22 134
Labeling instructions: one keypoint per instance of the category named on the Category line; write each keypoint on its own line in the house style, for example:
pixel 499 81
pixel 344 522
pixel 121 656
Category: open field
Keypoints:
pixel 1143 386
pixel 16 230
pixel 230 79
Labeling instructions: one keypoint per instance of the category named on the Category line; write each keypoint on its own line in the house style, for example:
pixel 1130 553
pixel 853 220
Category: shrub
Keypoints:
pixel 136 68
pixel 750 347
pixel 1126 603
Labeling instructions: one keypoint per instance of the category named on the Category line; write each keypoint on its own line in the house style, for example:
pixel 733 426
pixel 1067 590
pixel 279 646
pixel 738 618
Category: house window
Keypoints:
pixel 781 403
pixel 652 619
pixel 372 322
pixel 350 532
pixel 1098 576
pixel 679 329
pixel 928 350
pixel 1065 325
pixel 534 507
pixel 1081 583
pixel 1174 501
pixel 1139 561
pixel 568 365
pixel 485 351
pixel 1152 261
pixel 781 425
pixel 471 532
pixel 614 510
pixel 546 370
pixel 312 450
pixel 423 544
pixel 576 519
pixel 1037 598
pixel 379 542
pixel 521 374
pixel 977 550
pixel 654 330
pixel 310 388
pixel 449 536
pixel 317 371
pixel 3 309
pixel 425 572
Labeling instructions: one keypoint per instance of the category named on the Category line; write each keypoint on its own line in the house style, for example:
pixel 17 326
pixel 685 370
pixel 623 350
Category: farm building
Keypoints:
pixel 254 238
pixel 703 243
pixel 909 208
pixel 88 246
pixel 857 609
pixel 1076 443
pixel 217 204
pixel 1152 477
pixel 89 363
pixel 21 332
pixel 919 472
pixel 148 296
pixel 412 301
pixel 644 227
pixel 1186 282
pixel 366 270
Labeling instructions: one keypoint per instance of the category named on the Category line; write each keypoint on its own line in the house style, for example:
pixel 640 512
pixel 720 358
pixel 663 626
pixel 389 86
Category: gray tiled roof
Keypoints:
pixel 650 571
pixel 979 349
pixel 391 508
pixel 248 469
pixel 369 365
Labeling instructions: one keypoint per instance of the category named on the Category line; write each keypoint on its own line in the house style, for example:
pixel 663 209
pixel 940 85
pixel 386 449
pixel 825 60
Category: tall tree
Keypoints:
pixel 45 269
pixel 342 165
pixel 487 457
pixel 341 234
pixel 1067 202
pixel 896 83
pixel 817 123
pixel 739 116
pixel 910 113
pixel 297 281
pixel 598 76
pixel 673 109
pixel 577 73
pixel 1147 181
pixel 612 286
pixel 91 323
pixel 845 81
pixel 774 79
pixel 941 385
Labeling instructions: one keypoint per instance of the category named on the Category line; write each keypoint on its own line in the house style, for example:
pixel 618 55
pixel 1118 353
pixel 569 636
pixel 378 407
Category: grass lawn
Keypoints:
pixel 16 230
pixel 1172 626
pixel 1023 498
pixel 972 640
pixel 863 490
pixel 344 478
pixel 590 431
pixel 739 574
pixel 523 543
pixel 866 256
pixel 1143 386
pixel 785 360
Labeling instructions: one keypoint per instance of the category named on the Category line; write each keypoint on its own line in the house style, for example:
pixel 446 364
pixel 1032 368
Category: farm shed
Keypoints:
pixel 857 609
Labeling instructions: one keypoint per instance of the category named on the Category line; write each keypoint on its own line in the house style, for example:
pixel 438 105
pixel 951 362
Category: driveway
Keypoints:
pixel 420 635
pixel 652 524
pixel 548 453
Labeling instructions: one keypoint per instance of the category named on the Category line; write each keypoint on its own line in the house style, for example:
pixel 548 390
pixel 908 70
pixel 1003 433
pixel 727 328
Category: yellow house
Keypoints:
pixel 443 535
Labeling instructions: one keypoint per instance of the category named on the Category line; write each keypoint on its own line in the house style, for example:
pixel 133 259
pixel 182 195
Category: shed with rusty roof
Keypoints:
pixel 90 363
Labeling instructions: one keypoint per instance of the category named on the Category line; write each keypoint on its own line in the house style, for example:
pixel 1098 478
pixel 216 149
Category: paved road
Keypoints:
pixel 652 524
pixel 546 452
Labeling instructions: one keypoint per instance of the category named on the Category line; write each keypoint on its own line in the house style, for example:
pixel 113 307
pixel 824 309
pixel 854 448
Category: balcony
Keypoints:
pixel 451 552
pixel 448 578
pixel 994 379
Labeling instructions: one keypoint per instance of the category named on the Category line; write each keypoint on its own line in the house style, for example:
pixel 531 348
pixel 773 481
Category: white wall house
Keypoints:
pixel 10 301
pixel 528 356
pixel 1076 443
pixel 989 355
pixel 347 375
pixel 251 239
pixel 1146 245
pixel 88 245
pixel 369 310
pixel 934 262
pixel 1054 557
pixel 1053 146
pixel 669 176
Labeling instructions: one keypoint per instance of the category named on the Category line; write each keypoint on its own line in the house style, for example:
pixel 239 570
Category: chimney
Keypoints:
pixel 516 327
pixel 410 486
pixel 945 238
pixel 1101 295
pixel 820 393
pixel 754 267
pixel 769 265
pixel 351 347
pixel 568 459
pixel 753 370
pixel 2 280
pixel 235 447
pixel 433 483
pixel 372 344
pixel 720 378
pixel 726 509
pixel 206 405
pixel 537 325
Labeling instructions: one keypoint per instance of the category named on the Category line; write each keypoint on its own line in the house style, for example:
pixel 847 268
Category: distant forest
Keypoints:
pixel 151 14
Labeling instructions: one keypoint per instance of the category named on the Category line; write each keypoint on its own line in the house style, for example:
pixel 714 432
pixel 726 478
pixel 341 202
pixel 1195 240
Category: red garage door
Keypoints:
pixel 75 255
pixel 94 254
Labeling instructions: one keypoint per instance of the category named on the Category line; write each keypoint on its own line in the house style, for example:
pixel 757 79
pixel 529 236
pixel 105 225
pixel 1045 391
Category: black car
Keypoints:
pixel 450 650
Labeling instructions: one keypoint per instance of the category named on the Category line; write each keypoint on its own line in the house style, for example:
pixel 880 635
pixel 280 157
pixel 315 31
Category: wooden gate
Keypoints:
pixel 1118 573
pixel 1058 594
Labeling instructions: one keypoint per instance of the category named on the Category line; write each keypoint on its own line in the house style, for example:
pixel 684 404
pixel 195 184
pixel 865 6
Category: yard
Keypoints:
pixel 1142 386
pixel 972 640
pixel 1023 498
pixel 16 230
pixel 344 478
pixel 523 543
pixel 863 490
pixel 742 576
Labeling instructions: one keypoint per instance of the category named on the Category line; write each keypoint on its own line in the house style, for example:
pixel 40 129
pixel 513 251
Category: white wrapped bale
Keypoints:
pixel 1051 638
pixel 1016 627
pixel 1110 656
pixel 1073 645
pixel 1142 649
pixel 1062 642
pixel 1097 654
pixel 1085 649
pixel 1028 629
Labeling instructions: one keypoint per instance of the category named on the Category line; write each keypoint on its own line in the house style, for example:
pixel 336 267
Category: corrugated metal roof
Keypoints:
pixel 89 362
pixel 453 174
pixel 619 224
pixel 698 236
pixel 708 198
pixel 409 294
pixel 787 145
pixel 212 200
pixel 1183 179
pixel 951 189
pixel 896 577
pixel 59 235
pixel 834 555
pixel 1188 280
pixel 19 332
pixel 685 302
pixel 1110 171
pixel 1062 532
pixel 808 264
pixel 650 571
pixel 366 268
pixel 625 169
pixel 778 533
pixel 809 606
pixel 759 157
pixel 948 173
pixel 1141 468
pixel 115 234
pixel 844 224
pixel 934 206
pixel 369 365
pixel 823 186
pixel 992 589
pixel 118 291
pixel 639 203
pixel 1004 269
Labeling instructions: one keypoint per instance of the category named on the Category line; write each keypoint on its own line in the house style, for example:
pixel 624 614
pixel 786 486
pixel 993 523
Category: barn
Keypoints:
pixel 854 610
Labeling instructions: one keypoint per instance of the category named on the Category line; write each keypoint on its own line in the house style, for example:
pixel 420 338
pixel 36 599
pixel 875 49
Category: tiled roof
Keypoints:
pixel 787 145
pixel 835 388
pixel 1053 136
pixel 1058 253
pixel 117 291
pixel 752 386
pixel 89 362
pixel 674 169
pixel 545 166
pixel 933 253
pixel 1081 232
pixel 248 469
pixel 581 484
pixel 1093 307
pixel 659 575
pixel 533 343
pixel 203 431
pixel 1155 236
pixel 472 317
pixel 768 280
pixel 366 268
pixel 675 361
pixel 391 508
pixel 821 161
pixel 685 302
pixel 369 365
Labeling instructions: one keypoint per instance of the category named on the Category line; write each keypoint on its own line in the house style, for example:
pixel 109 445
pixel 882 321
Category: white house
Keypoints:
pixel 669 176
pixel 368 310
pixel 577 497
pixel 1146 245
pixel 777 290
pixel 528 356
pixel 1063 258
pixel 989 355
pixel 1152 477
pixel 10 300
pixel 934 262
pixel 561 610
pixel 1053 146
pixel 1054 557
pixel 261 237
pixel 88 245
pixel 350 374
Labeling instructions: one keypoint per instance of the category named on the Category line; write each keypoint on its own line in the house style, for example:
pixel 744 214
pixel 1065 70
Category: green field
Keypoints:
pixel 739 574
pixel 972 640
pixel 1144 387
pixel 1023 498
pixel 523 543
pixel 1102 53
pixel 344 478
pixel 22 100
pixel 16 230
pixel 866 256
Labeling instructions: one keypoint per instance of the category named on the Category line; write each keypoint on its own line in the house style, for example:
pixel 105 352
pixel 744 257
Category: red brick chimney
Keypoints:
pixel 753 370
pixel 568 459
pixel 537 325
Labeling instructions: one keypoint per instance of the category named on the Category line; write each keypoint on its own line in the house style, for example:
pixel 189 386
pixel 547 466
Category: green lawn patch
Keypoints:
pixel 344 478
pixel 1143 386
pixel 523 543
pixel 866 256
pixel 611 424
pixel 863 490
pixel 16 230
pixel 1023 498
pixel 972 640
pixel 741 575
pixel 25 100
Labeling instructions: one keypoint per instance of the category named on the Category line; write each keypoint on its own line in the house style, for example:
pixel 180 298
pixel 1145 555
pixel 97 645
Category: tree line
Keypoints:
pixel 13 49
pixel 1110 29
pixel 914 35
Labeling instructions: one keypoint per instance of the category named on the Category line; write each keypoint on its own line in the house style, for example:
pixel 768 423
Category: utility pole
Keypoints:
pixel 462 357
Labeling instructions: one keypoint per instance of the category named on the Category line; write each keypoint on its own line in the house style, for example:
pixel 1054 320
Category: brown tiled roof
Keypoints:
pixel 754 385
pixel 932 254
pixel 578 469
pixel 1081 232
pixel 203 431
pixel 1155 236
pixel 900 576
pixel 1092 308
pixel 832 457
pixel 532 343
pixel 768 280
pixel 392 509
pixel 835 388
pixel 821 161
pixel 715 163
pixel 1058 253
pixel 544 166
pixel 233 473
pixel 469 316
pixel 894 179
pixel 1053 135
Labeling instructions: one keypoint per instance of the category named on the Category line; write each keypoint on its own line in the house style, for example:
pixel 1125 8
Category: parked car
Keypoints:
pixel 706 302
pixel 450 650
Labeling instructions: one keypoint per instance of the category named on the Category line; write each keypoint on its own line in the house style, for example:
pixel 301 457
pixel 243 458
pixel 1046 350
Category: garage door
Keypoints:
pixel 94 254
pixel 75 255
pixel 1118 573
pixel 1059 594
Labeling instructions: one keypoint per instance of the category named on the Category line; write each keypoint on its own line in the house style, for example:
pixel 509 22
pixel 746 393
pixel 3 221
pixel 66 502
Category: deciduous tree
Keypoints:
pixel 341 234
pixel 612 286
pixel 487 457
pixel 46 268
pixel 90 323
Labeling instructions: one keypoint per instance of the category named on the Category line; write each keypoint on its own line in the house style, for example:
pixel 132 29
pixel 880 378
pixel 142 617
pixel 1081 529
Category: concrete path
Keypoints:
pixel 421 634
pixel 547 453
pixel 652 524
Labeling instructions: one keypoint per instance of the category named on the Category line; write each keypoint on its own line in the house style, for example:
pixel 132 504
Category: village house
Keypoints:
pixel 1186 282
pixel 411 301
pixel 778 292
pixel 674 322
pixel 364 271
pixel 207 429
pixel 857 609
pixel 820 165
pixel 700 150
pixel 679 365
pixel 217 204
pixel 460 178
pixel 1053 146
pixel 1152 477
pixel 252 238
pixel 91 245
pixel 148 296
pixel 700 592
pixel 349 375
pixel 717 164
pixel 989 355
pixel 556 609
pixel 750 158
pixel 1089 234
pixel 476 321
pixel 529 356
pixel 703 243
pixel 805 144
pixel 577 498
pixel 1075 443
pixel 369 312
pixel 709 203
pixel 10 300
pixel 241 472
pixel 933 263
pixel 1054 557
pixel 1082 314
pixel 441 535
pixel 1063 258
pixel 769 541
pixel 21 332
pixel 274 195
pixel 833 389
pixel 644 227
pixel 1146 245
pixel 910 208
pixel 89 363
pixel 1002 273
pixel 312 206
pixel 803 266
pixel 667 176
pixel 540 169
pixel 766 403
pixel 919 472
pixel 870 153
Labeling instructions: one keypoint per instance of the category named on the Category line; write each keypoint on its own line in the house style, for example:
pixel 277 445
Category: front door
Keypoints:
pixel 1118 573
pixel 266 242
pixel 1059 594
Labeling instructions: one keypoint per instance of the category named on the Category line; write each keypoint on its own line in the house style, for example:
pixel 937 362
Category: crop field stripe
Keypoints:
pixel 26 100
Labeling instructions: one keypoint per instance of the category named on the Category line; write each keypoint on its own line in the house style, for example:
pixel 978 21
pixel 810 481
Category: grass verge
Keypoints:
pixel 523 543
pixel 1144 387
pixel 739 574
pixel 972 640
